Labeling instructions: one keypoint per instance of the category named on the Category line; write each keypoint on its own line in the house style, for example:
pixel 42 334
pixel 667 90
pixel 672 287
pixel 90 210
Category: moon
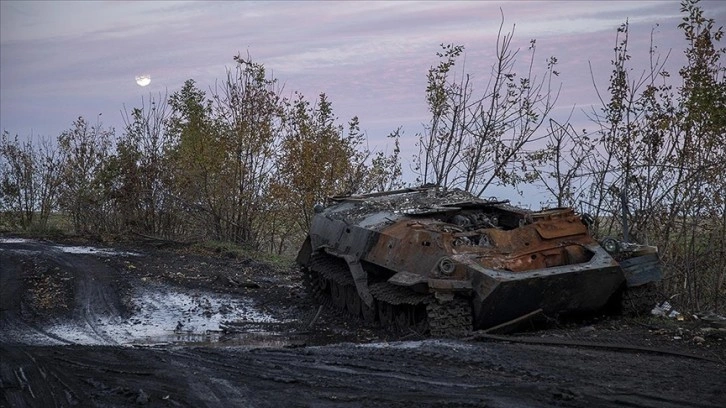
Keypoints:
pixel 143 80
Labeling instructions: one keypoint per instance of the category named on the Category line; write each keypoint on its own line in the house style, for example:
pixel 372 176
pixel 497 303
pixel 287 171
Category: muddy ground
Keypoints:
pixel 84 325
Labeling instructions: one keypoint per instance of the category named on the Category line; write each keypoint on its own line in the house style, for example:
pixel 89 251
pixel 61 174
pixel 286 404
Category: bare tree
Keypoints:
pixel 476 140
pixel 661 160
pixel 560 166
pixel 48 175
pixel 18 189
pixel 248 109
pixel 143 186
pixel 84 153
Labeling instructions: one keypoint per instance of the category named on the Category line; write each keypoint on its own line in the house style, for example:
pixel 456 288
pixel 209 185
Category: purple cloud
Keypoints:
pixel 64 59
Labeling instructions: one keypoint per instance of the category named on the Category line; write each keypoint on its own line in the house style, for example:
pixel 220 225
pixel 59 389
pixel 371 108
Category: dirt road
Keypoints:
pixel 85 326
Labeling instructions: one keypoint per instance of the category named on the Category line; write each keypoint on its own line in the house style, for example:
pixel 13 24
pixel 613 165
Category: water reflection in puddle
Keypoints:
pixel 257 339
pixel 201 318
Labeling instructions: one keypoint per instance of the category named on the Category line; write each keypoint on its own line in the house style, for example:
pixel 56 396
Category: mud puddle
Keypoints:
pixel 147 313
pixel 163 315
pixel 35 246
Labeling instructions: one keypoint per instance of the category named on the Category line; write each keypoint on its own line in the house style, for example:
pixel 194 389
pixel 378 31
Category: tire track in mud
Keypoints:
pixel 427 373
pixel 281 376
pixel 11 289
pixel 93 298
pixel 439 373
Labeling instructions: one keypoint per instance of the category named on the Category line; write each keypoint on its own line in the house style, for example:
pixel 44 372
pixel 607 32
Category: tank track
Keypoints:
pixel 396 295
pixel 450 319
pixel 396 308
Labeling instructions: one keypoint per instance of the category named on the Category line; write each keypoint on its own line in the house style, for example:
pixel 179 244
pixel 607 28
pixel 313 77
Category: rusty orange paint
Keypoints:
pixel 553 239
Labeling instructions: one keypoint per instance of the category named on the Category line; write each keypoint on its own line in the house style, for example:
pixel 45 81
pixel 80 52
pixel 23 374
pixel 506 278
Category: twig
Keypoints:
pixel 315 318
pixel 507 324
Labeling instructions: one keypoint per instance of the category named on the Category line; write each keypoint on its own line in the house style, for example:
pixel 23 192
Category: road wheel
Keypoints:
pixel 337 294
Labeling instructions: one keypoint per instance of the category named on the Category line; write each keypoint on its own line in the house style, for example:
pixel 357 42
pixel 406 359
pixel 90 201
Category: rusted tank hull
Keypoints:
pixel 449 257
pixel 579 292
pixel 500 296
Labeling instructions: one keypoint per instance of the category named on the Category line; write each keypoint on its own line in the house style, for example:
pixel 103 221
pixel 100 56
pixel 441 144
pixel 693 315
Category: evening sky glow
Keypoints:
pixel 60 60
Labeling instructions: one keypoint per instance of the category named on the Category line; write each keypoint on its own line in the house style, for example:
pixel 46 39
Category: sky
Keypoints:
pixel 60 60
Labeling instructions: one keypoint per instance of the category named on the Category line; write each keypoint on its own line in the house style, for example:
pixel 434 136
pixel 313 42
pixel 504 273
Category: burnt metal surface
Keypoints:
pixel 414 256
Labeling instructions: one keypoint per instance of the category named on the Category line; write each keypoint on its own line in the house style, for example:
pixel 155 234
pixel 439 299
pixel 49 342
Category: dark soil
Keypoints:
pixel 300 360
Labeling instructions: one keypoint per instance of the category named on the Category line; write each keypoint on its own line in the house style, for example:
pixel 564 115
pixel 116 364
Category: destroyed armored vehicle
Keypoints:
pixel 445 262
